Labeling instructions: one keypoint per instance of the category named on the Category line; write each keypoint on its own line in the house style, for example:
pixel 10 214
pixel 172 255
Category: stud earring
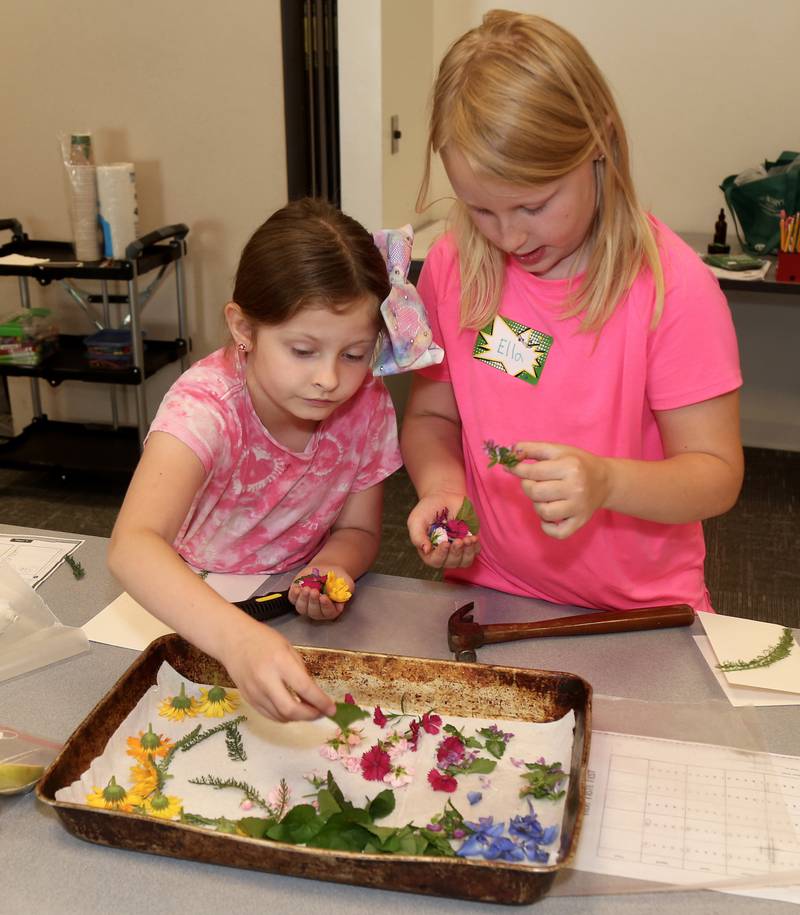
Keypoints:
pixel 601 158
pixel 242 347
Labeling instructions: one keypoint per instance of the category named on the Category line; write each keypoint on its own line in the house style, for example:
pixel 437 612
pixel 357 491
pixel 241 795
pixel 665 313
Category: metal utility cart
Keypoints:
pixel 68 446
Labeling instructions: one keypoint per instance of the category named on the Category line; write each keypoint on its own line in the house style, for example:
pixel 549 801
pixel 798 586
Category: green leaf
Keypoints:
pixel 496 747
pixel 480 765
pixel 351 838
pixel 346 713
pixel 382 804
pixel 327 804
pixel 467 513
pixel 255 827
pixel 337 793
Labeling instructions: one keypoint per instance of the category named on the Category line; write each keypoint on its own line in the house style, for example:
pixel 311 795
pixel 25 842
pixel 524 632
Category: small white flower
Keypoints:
pixel 439 535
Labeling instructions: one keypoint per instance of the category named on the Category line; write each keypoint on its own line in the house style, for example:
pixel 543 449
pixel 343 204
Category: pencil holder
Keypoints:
pixel 788 268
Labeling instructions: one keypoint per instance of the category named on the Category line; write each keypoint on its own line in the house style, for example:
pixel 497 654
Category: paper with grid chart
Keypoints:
pixel 690 813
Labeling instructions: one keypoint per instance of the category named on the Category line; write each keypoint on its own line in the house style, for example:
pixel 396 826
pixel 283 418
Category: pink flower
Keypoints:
pixel 379 718
pixel 354 738
pixel 348 698
pixel 457 529
pixel 279 797
pixel 431 723
pixel 351 763
pixel 519 763
pixel 328 751
pixel 246 805
pixel 375 764
pixel 450 752
pixel 398 748
pixel 414 728
pixel 442 782
pixel 399 777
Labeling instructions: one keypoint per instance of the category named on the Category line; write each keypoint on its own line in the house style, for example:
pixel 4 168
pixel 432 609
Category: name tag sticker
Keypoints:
pixel 513 348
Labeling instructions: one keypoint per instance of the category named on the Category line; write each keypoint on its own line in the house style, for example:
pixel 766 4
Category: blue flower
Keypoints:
pixel 503 849
pixel 473 797
pixel 530 834
pixel 482 834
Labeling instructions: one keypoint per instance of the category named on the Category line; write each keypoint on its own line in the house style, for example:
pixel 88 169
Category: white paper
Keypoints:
pixel 124 623
pixel 691 814
pixel 736 639
pixel 742 695
pixel 34 558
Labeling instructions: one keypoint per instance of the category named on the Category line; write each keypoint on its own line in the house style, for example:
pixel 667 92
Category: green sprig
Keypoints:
pixel 543 781
pixel 77 569
pixel 767 657
pixel 233 741
pixel 499 454
pixel 249 791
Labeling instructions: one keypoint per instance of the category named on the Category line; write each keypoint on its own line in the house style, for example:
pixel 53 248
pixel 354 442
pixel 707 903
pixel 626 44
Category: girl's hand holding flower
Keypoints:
pixel 566 484
pixel 321 594
pixel 445 554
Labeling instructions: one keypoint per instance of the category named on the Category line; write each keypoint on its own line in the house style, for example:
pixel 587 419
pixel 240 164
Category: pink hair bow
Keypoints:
pixel 407 342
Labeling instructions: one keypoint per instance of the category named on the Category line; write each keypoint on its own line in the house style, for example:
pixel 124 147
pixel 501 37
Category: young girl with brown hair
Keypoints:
pixel 578 330
pixel 269 453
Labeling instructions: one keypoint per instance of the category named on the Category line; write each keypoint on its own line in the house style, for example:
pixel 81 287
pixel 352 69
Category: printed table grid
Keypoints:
pixel 723 821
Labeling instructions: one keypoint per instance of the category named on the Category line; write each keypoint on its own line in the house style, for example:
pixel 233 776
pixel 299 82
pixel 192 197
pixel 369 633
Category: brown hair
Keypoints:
pixel 308 252
pixel 522 101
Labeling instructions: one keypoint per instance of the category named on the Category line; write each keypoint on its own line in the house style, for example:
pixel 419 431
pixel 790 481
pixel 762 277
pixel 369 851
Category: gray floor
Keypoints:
pixel 752 567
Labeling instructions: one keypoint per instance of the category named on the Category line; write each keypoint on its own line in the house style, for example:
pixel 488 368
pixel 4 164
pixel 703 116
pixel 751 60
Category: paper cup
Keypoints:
pixel 119 212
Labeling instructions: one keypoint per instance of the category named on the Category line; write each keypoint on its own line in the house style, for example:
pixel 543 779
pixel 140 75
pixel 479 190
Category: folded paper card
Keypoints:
pixel 125 623
pixel 30 634
pixel 754 654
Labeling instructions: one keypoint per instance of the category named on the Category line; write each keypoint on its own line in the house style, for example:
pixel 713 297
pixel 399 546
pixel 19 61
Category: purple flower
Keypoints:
pixel 483 832
pixel 450 752
pixel 473 797
pixel 503 849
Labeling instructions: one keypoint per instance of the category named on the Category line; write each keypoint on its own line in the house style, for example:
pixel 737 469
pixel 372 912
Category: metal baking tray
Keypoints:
pixel 449 687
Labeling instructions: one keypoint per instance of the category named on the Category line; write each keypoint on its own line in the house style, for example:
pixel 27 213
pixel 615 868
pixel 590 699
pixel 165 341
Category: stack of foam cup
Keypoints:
pixel 119 213
pixel 83 211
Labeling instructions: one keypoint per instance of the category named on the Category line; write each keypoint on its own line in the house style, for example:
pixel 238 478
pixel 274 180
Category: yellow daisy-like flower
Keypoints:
pixel 167 807
pixel 217 701
pixel 176 708
pixel 148 744
pixel 144 779
pixel 336 589
pixel 113 797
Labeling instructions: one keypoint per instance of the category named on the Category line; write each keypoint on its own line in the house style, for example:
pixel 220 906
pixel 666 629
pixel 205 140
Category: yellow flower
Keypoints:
pixel 148 744
pixel 336 589
pixel 164 806
pixel 176 708
pixel 113 797
pixel 144 779
pixel 217 701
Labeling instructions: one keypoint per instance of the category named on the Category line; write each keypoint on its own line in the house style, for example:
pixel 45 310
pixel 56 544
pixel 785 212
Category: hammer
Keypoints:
pixel 464 635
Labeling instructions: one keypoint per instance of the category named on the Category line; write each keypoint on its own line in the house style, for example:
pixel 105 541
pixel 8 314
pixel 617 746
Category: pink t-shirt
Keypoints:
pixel 594 392
pixel 263 508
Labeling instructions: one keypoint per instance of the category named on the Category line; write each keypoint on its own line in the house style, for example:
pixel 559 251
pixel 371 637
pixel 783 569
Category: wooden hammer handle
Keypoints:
pixel 592 623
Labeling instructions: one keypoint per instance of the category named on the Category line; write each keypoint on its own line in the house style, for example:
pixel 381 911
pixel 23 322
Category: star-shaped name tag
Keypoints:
pixel 513 348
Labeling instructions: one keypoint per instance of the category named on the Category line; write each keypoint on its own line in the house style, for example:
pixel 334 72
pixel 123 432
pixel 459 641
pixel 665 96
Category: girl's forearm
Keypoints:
pixel 157 578
pixel 353 549
pixel 431 447
pixel 676 490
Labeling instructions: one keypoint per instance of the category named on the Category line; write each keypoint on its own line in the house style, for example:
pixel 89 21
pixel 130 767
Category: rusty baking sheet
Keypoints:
pixel 477 690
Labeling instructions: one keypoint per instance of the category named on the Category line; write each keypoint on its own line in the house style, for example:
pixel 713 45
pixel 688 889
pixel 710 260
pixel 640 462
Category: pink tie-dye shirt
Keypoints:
pixel 262 507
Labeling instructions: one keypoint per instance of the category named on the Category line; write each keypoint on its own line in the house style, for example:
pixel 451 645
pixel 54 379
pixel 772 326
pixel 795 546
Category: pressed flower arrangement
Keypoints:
pixel 370 780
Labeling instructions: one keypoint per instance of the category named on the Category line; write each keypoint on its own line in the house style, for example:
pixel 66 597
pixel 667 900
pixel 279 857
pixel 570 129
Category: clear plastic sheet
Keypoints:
pixel 713 722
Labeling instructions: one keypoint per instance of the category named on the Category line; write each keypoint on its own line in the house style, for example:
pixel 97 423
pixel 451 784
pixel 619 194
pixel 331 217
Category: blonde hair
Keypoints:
pixel 521 99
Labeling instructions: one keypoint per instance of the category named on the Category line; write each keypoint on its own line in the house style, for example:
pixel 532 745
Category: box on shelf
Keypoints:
pixel 110 349
pixel 27 337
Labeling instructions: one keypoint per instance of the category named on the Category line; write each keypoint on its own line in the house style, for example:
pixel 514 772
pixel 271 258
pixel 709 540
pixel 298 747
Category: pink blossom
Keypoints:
pixel 414 728
pixel 328 751
pixel 398 777
pixel 354 738
pixel 348 698
pixel 246 805
pixel 398 748
pixel 442 782
pixel 450 752
pixel 519 763
pixel 351 763
pixel 375 764
pixel 457 529
pixel 431 723
pixel 485 781
pixel 379 718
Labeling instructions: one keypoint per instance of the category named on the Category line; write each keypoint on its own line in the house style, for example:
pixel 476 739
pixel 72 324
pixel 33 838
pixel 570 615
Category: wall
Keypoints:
pixel 193 95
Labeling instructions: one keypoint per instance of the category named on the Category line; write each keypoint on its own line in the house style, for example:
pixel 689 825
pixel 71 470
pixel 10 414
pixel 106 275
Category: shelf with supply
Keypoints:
pixel 149 260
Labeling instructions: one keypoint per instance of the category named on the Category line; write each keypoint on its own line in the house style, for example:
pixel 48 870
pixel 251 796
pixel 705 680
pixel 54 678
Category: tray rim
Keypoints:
pixel 541 876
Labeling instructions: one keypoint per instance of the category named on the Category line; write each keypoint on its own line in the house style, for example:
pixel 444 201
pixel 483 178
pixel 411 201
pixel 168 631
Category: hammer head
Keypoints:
pixel 463 633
